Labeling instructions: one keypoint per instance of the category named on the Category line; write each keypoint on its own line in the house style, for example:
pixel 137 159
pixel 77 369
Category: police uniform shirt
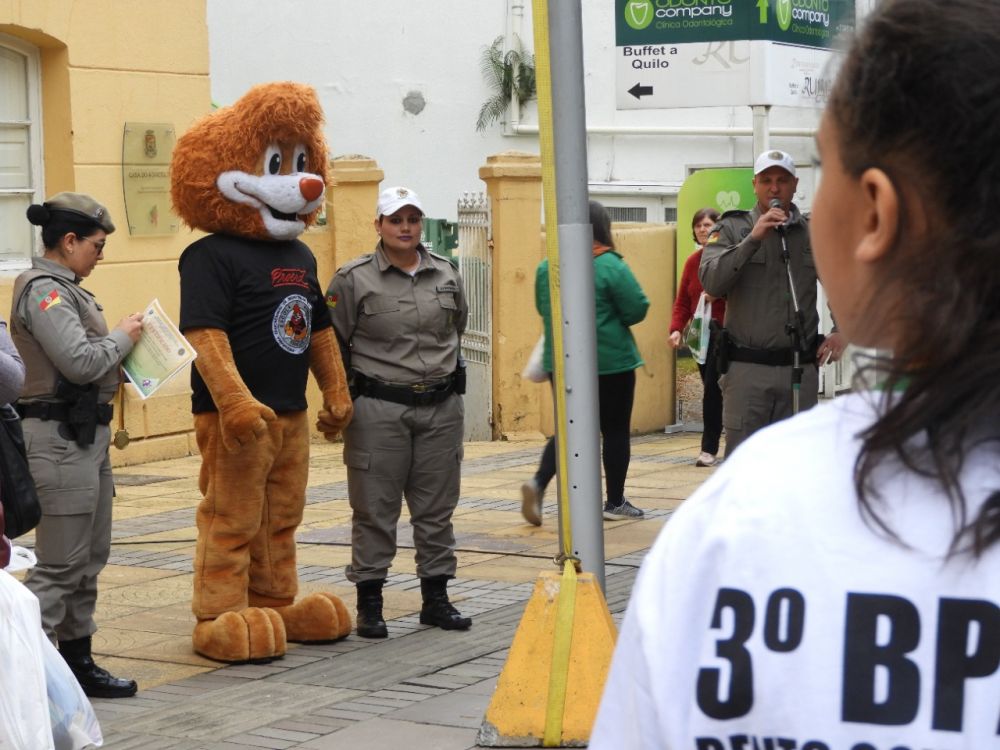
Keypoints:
pixel 59 328
pixel 769 614
pixel 396 327
pixel 751 276
pixel 266 297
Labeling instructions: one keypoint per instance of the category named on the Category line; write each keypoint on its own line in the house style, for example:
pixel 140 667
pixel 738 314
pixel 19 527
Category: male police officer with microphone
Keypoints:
pixel 743 262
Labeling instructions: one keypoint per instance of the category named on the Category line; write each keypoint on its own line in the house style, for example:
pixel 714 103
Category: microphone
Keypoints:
pixel 776 203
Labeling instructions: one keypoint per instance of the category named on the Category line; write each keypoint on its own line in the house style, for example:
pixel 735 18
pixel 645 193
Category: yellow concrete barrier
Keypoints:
pixel 519 713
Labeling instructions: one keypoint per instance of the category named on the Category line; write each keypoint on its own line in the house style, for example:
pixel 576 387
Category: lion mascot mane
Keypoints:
pixel 253 175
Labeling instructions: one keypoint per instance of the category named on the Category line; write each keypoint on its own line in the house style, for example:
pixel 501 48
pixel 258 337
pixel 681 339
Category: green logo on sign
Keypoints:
pixel 639 13
pixel 783 9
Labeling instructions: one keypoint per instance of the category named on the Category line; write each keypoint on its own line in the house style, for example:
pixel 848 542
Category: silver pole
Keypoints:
pixel 576 269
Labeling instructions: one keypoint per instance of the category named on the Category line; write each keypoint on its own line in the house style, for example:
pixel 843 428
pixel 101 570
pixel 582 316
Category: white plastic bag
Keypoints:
pixel 42 706
pixel 533 370
pixel 24 707
pixel 73 721
pixel 696 334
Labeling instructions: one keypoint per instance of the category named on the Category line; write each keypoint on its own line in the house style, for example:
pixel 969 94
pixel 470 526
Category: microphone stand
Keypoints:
pixel 796 328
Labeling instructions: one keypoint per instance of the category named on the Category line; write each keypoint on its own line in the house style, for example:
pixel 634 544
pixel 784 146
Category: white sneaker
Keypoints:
pixel 706 459
pixel 531 502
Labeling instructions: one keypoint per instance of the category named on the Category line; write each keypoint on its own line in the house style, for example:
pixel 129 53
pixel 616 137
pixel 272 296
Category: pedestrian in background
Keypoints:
pixel 72 371
pixel 687 302
pixel 619 303
pixel 835 583
pixel 399 314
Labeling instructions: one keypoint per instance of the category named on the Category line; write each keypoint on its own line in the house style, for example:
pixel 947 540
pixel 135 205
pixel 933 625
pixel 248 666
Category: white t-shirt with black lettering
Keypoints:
pixel 770 616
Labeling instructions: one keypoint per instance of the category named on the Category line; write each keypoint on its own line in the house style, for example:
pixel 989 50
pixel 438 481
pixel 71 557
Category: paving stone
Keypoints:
pixel 457 709
pixel 386 733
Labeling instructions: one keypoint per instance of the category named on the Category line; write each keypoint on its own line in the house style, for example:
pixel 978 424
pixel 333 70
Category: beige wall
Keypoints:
pixel 649 251
pixel 105 63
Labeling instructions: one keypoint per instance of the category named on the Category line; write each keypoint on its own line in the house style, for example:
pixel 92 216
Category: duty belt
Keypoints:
pixel 773 357
pixel 58 411
pixel 416 394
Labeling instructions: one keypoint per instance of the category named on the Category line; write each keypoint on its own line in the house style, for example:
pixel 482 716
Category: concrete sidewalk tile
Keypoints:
pixel 277 696
pixel 485 687
pixel 132 741
pixel 201 721
pixel 386 733
pixel 457 709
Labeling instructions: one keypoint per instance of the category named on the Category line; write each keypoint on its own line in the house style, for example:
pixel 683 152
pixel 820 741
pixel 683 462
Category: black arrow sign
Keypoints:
pixel 639 91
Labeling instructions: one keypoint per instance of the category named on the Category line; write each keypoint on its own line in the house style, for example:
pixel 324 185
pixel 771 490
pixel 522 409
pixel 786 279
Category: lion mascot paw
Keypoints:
pixel 253 176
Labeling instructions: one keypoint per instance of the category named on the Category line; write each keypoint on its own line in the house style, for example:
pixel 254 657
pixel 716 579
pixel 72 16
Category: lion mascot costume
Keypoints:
pixel 253 176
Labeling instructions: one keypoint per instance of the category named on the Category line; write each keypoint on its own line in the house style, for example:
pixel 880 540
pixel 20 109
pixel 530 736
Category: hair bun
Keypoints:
pixel 38 215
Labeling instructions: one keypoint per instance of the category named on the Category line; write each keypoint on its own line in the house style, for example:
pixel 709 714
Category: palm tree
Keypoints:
pixel 508 74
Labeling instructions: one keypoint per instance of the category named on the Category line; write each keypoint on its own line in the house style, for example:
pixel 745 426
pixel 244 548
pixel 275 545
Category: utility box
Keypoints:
pixel 440 236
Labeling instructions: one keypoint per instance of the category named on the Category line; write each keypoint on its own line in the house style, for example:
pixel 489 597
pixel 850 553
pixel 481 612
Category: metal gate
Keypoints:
pixel 475 262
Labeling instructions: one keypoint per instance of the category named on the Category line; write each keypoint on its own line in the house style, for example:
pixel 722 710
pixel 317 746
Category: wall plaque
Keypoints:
pixel 146 151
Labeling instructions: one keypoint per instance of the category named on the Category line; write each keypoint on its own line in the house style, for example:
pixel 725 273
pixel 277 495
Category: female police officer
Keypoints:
pixel 399 314
pixel 72 372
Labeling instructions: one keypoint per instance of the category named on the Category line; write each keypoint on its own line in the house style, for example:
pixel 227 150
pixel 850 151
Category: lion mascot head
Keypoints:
pixel 254 169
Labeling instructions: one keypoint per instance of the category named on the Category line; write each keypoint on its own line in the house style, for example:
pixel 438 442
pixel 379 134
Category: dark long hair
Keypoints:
pixel 601 221
pixel 917 98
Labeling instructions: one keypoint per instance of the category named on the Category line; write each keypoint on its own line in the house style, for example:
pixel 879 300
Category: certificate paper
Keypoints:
pixel 160 353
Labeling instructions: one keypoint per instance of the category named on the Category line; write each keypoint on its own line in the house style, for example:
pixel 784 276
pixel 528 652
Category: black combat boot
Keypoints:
pixel 370 621
pixel 96 682
pixel 437 610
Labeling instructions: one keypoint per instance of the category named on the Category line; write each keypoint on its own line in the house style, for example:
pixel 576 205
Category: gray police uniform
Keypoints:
pixel 751 276
pixel 59 328
pixel 400 336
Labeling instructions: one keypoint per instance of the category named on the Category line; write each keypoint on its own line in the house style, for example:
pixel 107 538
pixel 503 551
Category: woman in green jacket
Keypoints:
pixel 619 303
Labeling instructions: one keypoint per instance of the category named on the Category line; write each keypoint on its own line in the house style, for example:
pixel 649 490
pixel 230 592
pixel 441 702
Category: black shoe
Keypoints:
pixel 96 682
pixel 437 610
pixel 370 623
pixel 99 683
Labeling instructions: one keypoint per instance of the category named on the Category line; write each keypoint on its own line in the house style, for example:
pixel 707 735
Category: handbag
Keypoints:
pixel 21 508
pixel 697 331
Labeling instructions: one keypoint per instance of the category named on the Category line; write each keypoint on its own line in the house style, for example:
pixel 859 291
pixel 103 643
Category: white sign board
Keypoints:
pixel 699 53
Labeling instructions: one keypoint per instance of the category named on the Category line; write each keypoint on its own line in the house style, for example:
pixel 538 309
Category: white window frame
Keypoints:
pixel 36 189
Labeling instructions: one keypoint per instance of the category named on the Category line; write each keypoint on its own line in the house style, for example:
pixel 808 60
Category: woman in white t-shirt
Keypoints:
pixel 836 585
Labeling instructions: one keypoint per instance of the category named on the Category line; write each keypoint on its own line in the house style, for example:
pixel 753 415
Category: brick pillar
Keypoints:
pixel 514 184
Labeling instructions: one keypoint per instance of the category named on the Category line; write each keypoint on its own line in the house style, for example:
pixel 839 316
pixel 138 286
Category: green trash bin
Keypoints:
pixel 440 236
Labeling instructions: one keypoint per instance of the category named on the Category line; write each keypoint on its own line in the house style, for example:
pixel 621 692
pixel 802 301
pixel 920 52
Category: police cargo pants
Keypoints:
pixel 394 451
pixel 754 396
pixel 73 539
pixel 252 502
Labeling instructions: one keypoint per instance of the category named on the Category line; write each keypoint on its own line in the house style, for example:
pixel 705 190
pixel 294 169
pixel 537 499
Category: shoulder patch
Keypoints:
pixel 734 212
pixel 49 300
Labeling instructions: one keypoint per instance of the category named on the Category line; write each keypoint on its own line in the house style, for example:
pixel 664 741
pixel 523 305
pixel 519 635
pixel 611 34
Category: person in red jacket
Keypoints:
pixel 685 305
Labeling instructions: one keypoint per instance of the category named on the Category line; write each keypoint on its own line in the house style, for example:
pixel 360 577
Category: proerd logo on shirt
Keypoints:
pixel 292 324
pixel 289 277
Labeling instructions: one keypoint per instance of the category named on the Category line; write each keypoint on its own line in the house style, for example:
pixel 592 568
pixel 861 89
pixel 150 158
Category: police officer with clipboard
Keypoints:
pixel 72 371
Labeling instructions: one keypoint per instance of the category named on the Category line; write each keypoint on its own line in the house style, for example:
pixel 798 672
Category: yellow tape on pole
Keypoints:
pixel 543 82
pixel 563 635
pixel 561 645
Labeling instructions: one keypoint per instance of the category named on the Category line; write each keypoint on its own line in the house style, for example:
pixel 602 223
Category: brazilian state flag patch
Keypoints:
pixel 331 300
pixel 49 300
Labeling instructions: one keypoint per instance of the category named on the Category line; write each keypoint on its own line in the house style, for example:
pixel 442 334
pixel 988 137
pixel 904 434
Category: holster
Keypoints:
pixel 81 402
pixel 722 352
pixel 458 378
